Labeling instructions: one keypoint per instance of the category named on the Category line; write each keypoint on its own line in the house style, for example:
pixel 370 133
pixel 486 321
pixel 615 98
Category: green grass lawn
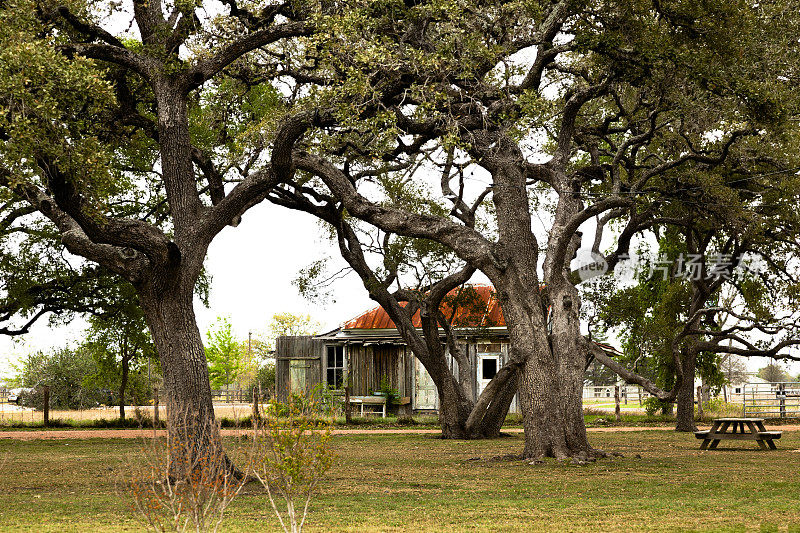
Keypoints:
pixel 417 482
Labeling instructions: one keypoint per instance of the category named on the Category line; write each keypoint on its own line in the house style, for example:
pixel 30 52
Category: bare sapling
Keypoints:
pixel 291 455
pixel 183 481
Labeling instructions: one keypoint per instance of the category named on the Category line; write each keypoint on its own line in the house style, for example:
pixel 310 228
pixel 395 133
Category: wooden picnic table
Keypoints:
pixel 741 429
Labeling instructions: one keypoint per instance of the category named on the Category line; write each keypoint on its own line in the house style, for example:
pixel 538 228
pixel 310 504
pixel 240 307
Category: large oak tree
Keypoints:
pixel 136 155
pixel 592 110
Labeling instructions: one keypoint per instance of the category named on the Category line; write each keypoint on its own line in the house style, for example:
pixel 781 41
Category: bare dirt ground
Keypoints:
pixel 54 434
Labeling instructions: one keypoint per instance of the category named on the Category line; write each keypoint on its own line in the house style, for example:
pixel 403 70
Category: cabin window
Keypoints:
pixel 335 369
pixel 737 390
pixel 489 368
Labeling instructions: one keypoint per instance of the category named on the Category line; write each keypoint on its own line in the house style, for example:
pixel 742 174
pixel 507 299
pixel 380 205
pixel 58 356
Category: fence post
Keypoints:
pixel 155 407
pixel 616 402
pixel 347 405
pixel 46 393
pixel 744 399
pixel 255 403
pixel 700 401
pixel 782 399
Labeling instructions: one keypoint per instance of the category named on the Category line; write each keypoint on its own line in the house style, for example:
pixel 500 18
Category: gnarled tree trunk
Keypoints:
pixel 123 381
pixel 193 432
pixel 461 418
pixel 170 316
pixel 567 342
pixel 454 408
pixel 549 389
pixel 685 399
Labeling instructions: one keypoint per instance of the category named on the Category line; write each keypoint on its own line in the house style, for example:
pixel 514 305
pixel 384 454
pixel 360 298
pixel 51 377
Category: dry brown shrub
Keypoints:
pixel 184 481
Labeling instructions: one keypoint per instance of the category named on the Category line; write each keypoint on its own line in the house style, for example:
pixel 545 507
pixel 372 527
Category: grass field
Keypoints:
pixel 420 483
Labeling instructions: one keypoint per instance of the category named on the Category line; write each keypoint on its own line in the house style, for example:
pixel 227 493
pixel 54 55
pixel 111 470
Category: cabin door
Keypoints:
pixel 425 394
pixel 298 375
pixel 488 366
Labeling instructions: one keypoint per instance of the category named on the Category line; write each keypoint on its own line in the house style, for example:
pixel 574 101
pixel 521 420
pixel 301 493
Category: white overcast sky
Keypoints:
pixel 252 267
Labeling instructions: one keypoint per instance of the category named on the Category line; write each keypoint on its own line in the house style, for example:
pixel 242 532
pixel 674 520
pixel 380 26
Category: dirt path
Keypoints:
pixel 55 434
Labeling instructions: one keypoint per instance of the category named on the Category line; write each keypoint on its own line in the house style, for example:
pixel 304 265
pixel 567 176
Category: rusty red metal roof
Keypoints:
pixel 475 306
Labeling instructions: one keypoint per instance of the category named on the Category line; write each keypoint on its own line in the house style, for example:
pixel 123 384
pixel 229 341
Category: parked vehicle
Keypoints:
pixel 14 394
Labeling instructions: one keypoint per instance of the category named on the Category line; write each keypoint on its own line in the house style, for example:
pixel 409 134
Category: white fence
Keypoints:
pixel 599 392
pixel 771 400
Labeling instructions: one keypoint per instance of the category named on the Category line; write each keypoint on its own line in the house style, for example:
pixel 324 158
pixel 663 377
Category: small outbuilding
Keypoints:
pixel 367 353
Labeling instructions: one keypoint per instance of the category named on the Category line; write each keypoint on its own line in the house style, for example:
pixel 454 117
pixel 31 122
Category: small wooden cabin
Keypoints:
pixel 368 349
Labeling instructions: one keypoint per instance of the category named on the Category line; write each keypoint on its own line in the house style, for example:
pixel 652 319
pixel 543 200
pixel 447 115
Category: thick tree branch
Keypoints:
pixel 562 245
pixel 92 30
pixel 216 189
pixel 208 68
pixel 119 232
pixel 112 54
pixel 469 244
pixel 124 261
pixel 749 349
pixel 247 193
pixel 631 377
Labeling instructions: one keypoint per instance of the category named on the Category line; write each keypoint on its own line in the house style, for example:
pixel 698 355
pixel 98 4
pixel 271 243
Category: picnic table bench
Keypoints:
pixel 741 429
pixel 361 401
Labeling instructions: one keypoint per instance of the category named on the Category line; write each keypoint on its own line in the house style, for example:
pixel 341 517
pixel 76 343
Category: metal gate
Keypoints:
pixel 771 400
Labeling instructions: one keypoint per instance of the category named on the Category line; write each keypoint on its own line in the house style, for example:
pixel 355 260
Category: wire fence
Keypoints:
pixel 771 400
pixel 232 404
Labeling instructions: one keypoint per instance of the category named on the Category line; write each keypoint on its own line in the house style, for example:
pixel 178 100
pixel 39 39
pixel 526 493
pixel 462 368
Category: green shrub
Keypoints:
pixel 653 405
pixel 291 453
pixel 66 372
pixel 392 395
pixel 406 421
pixel 513 419
pixel 719 408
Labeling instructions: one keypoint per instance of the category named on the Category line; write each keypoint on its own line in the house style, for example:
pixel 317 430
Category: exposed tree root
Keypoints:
pixel 580 457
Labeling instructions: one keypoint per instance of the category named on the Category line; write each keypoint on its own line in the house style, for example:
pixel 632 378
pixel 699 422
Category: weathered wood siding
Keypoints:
pixel 365 365
pixel 302 355
pixel 424 396
pixel 472 355
pixel 368 364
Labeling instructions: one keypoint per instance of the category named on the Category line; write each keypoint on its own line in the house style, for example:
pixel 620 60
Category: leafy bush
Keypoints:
pixel 332 401
pixel 406 421
pixel 392 395
pixel 67 372
pixel 719 408
pixel 291 455
pixel 265 378
pixel 653 405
